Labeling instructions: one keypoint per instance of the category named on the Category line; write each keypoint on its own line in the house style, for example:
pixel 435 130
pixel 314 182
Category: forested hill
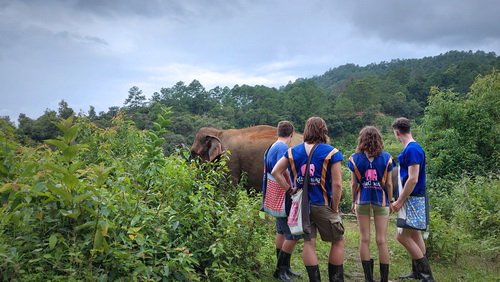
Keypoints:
pixel 347 97
pixel 454 69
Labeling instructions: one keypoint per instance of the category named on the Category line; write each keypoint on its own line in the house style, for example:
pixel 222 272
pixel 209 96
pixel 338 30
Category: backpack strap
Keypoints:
pixel 291 161
pixel 264 181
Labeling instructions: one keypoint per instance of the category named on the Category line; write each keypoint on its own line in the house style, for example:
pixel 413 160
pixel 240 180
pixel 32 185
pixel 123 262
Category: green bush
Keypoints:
pixel 107 204
pixel 464 216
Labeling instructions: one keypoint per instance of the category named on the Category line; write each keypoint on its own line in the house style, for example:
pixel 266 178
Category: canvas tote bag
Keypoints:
pixel 298 220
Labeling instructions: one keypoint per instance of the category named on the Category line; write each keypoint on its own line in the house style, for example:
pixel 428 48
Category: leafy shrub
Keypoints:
pixel 445 239
pixel 107 204
pixel 464 215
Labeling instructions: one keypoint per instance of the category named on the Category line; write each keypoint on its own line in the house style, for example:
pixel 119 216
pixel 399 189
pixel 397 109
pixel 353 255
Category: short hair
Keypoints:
pixel 402 124
pixel 285 128
pixel 315 131
pixel 370 142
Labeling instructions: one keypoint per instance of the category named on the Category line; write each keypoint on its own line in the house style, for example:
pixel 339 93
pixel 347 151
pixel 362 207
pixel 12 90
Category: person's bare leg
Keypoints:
pixel 406 239
pixel 309 253
pixel 381 223
pixel 417 237
pixel 364 236
pixel 280 239
pixel 289 245
pixel 336 256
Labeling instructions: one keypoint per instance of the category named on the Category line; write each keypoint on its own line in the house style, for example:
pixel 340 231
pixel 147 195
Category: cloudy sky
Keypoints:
pixel 91 52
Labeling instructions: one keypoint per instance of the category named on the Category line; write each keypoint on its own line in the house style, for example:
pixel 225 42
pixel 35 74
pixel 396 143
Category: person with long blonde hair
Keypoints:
pixel 323 194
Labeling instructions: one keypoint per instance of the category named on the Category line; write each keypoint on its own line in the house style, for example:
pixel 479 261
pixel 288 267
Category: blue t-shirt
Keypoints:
pixel 274 154
pixel 371 191
pixel 320 184
pixel 413 154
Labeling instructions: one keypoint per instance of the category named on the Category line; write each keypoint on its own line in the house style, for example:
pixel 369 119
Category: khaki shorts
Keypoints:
pixel 370 209
pixel 328 222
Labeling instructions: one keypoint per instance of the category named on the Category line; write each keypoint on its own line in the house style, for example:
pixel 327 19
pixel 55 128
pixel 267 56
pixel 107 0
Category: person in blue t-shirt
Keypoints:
pixel 324 192
pixel 285 240
pixel 412 174
pixel 371 187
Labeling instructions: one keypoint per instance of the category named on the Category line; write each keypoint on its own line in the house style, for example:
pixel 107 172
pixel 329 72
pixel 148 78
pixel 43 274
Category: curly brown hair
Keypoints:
pixel 315 131
pixel 370 142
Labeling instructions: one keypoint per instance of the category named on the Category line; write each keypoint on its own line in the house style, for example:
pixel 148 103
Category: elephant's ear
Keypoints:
pixel 215 147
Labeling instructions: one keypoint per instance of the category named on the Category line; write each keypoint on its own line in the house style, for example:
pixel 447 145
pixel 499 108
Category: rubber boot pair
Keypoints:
pixel 335 273
pixel 283 270
pixel 368 270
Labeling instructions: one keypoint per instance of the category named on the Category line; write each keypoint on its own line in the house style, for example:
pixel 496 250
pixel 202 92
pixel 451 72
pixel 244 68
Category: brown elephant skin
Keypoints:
pixel 246 146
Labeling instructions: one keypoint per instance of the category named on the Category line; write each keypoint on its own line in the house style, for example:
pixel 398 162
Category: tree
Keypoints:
pixel 363 93
pixel 64 110
pixel 462 133
pixel 135 98
pixel 304 99
pixel 92 114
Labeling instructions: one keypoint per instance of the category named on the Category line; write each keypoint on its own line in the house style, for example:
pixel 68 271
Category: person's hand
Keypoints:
pixel 353 208
pixel 391 209
pixel 397 205
pixel 292 190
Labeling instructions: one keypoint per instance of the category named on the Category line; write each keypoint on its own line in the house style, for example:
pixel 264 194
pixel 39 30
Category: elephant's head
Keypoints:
pixel 207 145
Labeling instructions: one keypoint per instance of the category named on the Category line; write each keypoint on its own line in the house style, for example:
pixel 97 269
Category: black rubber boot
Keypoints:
pixel 424 269
pixel 336 272
pixel 277 271
pixel 368 270
pixel 313 273
pixel 384 272
pixel 413 274
pixel 283 262
pixel 372 262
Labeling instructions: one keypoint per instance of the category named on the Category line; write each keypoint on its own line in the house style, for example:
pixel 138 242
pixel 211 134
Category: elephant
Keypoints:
pixel 246 146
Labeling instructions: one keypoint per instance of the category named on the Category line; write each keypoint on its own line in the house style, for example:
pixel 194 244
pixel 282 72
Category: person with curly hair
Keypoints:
pixel 371 188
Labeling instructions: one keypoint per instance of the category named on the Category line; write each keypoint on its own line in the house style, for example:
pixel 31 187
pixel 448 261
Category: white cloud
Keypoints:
pixel 92 52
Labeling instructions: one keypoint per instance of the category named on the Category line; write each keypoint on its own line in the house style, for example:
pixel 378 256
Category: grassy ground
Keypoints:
pixel 467 268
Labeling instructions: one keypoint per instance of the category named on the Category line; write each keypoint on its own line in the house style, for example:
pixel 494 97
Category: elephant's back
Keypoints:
pixel 256 132
pixel 296 139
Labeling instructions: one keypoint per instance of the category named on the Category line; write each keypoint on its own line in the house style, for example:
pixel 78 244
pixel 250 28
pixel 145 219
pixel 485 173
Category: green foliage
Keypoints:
pixel 7 151
pixel 465 217
pixel 107 204
pixel 461 133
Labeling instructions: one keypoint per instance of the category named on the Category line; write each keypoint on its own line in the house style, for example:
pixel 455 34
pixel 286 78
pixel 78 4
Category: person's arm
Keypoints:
pixel 278 174
pixel 354 190
pixel 389 185
pixel 413 172
pixel 389 188
pixel 336 172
